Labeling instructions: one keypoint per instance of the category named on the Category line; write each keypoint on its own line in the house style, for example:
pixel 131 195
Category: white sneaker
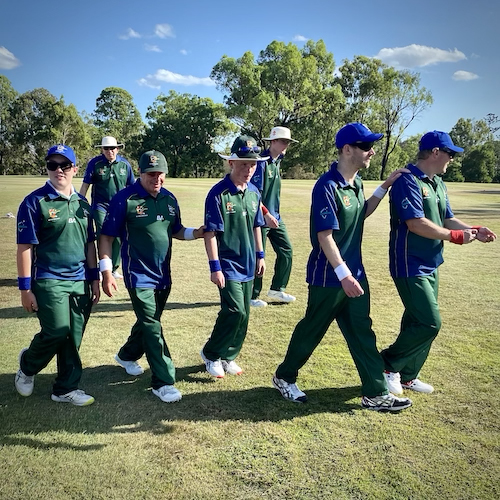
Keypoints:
pixel 258 303
pixel 24 384
pixel 213 367
pixel 418 386
pixel 289 391
pixel 117 275
pixel 131 367
pixel 280 296
pixel 76 397
pixel 231 367
pixel 389 402
pixel 168 394
pixel 393 380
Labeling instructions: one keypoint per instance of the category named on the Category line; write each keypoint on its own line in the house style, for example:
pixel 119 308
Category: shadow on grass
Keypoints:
pixel 107 307
pixel 125 404
pixel 8 282
pixel 486 213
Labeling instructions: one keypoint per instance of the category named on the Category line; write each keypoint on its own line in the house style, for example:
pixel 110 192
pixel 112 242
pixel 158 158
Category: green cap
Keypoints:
pixel 244 148
pixel 153 161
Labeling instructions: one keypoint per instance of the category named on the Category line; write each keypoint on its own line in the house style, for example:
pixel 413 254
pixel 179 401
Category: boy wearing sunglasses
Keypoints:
pixel 338 287
pixel 421 219
pixel 58 277
pixel 233 241
pixel 108 173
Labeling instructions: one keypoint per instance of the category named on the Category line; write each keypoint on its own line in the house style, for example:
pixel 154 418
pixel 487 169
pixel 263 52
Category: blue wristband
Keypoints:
pixel 24 283
pixel 93 274
pixel 260 255
pixel 214 266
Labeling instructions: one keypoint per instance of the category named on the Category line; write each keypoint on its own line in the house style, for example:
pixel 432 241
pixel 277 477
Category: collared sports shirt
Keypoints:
pixel 414 196
pixel 107 179
pixel 145 225
pixel 267 179
pixel 59 228
pixel 233 214
pixel 341 207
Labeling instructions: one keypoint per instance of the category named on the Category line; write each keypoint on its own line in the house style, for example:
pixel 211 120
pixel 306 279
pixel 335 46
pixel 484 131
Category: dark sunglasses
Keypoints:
pixel 53 165
pixel 448 152
pixel 109 148
pixel 364 146
pixel 249 149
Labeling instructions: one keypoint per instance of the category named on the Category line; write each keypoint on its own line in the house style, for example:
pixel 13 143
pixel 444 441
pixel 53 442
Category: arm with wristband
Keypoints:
pixel 216 275
pixel 28 299
pixel 260 265
pixel 350 285
pixel 109 285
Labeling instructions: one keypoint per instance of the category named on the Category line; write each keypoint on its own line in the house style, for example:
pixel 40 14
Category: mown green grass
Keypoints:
pixel 237 438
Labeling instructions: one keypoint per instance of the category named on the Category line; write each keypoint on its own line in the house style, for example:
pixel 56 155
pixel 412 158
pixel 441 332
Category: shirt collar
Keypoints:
pixel 267 152
pixel 337 176
pixel 56 193
pixel 231 186
pixel 417 172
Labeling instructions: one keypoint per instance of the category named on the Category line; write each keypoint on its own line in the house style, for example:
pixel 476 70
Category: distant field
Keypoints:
pixel 237 438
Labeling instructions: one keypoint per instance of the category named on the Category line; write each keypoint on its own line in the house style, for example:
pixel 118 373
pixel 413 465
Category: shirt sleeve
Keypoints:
pixel 259 217
pixel 130 176
pixel 28 221
pixel 406 197
pixel 114 223
pixel 213 213
pixel 89 172
pixel 324 207
pixel 177 225
pixel 258 176
pixel 449 212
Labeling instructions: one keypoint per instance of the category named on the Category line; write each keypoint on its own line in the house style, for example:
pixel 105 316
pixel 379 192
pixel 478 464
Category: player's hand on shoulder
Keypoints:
pixel 394 176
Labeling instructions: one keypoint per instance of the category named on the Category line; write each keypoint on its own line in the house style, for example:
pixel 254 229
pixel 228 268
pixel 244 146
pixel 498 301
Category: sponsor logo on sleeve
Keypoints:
pixel 21 226
pixel 405 203
pixel 325 212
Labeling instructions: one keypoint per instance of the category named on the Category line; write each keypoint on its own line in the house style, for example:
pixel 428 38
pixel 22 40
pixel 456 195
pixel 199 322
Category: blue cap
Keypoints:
pixel 61 149
pixel 355 132
pixel 437 139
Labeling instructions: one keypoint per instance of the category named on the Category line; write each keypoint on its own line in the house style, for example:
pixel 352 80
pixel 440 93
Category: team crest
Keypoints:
pixel 101 171
pixel 53 213
pixel 249 144
pixel 347 201
pixel 141 210
pixel 230 206
pixel 153 160
pixel 425 192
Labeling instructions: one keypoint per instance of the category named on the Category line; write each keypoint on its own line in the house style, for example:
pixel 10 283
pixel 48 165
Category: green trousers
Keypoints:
pixel 231 325
pixel 283 266
pixel 146 336
pixel 63 311
pixel 420 325
pixel 353 317
pixel 99 216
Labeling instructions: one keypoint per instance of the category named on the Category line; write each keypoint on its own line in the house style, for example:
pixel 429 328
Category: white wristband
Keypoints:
pixel 342 271
pixel 105 265
pixel 189 233
pixel 380 192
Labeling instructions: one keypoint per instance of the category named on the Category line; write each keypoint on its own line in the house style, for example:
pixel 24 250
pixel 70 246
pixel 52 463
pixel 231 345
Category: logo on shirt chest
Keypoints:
pixel 230 208
pixel 53 214
pixel 425 193
pixel 270 173
pixel 254 206
pixel 141 211
pixel 122 171
pixel 347 201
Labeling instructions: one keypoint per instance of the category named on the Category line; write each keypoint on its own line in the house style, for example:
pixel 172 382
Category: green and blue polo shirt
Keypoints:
pixel 340 207
pixel 415 196
pixel 145 225
pixel 59 228
pixel 233 214
pixel 107 179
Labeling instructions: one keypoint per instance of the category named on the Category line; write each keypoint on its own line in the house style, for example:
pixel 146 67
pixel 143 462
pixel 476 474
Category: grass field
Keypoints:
pixel 237 438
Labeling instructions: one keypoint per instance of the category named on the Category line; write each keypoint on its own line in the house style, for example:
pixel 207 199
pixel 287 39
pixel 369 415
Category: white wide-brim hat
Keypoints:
pixel 280 133
pixel 234 156
pixel 109 141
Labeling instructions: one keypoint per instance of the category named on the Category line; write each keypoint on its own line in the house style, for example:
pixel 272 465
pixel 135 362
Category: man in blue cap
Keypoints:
pixel 58 277
pixel 421 219
pixel 338 288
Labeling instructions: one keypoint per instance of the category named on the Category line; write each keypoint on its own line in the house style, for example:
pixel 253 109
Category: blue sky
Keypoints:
pixel 76 49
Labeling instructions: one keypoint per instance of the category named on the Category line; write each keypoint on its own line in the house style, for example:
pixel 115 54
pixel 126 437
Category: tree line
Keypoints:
pixel 298 88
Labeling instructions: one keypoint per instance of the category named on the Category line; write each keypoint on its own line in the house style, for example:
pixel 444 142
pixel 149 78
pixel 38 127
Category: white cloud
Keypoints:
pixel 166 76
pixel 152 48
pixel 300 38
pixel 7 59
pixel 143 82
pixel 414 55
pixel 464 76
pixel 164 31
pixel 130 34
pixel 184 52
